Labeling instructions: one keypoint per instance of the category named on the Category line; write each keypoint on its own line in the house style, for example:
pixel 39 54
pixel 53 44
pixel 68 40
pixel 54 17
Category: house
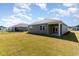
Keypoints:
pixel 48 27
pixel 18 27
pixel 70 28
pixel 76 28
pixel 2 28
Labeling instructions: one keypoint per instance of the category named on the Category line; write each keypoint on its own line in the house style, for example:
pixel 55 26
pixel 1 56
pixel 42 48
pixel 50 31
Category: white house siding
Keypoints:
pixel 36 29
pixel 64 29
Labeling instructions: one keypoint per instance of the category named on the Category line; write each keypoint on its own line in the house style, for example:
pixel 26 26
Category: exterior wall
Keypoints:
pixel 36 29
pixel 77 28
pixel 64 28
pixel 13 29
pixel 3 29
pixel 20 29
pixel 59 29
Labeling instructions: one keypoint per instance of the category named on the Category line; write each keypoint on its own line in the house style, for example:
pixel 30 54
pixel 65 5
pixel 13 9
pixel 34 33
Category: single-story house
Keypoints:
pixel 70 28
pixel 2 29
pixel 76 28
pixel 48 27
pixel 18 27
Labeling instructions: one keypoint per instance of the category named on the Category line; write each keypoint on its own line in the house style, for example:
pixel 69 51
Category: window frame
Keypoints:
pixel 42 27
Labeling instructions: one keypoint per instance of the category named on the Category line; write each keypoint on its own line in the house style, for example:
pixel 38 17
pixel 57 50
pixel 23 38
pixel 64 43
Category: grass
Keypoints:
pixel 25 44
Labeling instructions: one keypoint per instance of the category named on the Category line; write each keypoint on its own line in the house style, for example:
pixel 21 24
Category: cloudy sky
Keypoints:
pixel 11 14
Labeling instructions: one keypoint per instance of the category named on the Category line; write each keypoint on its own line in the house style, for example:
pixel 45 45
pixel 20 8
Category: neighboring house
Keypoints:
pixel 19 27
pixel 76 28
pixel 49 27
pixel 2 28
pixel 70 28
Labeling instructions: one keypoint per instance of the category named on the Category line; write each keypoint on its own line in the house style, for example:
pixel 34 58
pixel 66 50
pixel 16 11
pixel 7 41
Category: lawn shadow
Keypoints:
pixel 70 36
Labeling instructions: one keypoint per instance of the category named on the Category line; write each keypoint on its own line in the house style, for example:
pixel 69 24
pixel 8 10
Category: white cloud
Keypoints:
pixel 22 11
pixel 40 18
pixel 30 14
pixel 72 7
pixel 76 16
pixel 64 12
pixel 57 18
pixel 43 6
pixel 24 16
pixel 12 21
pixel 61 12
pixel 73 10
pixel 69 4
pixel 24 5
pixel 17 10
pixel 19 15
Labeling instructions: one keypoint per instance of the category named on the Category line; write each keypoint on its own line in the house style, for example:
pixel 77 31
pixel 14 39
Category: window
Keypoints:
pixel 42 28
pixel 56 28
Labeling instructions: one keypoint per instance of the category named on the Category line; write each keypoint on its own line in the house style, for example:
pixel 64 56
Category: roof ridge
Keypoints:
pixel 48 21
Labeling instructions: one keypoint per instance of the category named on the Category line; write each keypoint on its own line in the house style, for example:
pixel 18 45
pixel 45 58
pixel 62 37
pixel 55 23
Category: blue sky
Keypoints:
pixel 11 14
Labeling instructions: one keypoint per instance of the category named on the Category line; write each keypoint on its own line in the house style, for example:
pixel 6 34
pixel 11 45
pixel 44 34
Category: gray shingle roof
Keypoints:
pixel 20 25
pixel 47 21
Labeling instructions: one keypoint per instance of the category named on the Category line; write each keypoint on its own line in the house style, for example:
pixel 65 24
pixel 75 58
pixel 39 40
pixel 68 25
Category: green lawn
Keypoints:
pixel 25 44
